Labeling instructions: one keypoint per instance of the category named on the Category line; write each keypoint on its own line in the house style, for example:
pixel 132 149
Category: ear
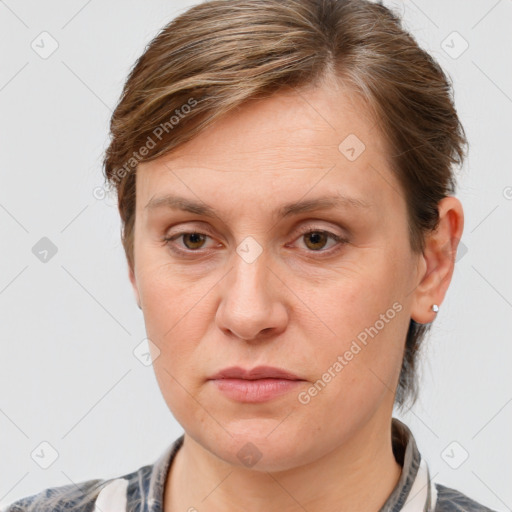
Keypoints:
pixel 435 268
pixel 133 280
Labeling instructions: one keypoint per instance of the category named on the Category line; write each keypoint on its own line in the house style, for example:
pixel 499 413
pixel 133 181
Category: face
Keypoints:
pixel 322 292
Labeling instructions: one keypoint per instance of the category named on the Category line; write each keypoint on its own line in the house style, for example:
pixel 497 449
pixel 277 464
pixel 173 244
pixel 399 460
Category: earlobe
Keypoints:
pixel 424 292
pixel 437 261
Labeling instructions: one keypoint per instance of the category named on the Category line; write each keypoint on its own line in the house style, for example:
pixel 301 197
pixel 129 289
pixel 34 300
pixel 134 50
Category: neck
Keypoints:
pixel 339 481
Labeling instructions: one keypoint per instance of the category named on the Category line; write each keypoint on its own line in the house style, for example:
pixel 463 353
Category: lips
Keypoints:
pixel 259 372
pixel 260 384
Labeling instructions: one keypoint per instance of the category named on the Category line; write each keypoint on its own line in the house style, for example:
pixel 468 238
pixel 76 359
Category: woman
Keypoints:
pixel 284 179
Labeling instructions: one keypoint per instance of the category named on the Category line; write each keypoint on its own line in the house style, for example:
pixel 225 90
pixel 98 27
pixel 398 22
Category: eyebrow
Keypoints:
pixel 175 202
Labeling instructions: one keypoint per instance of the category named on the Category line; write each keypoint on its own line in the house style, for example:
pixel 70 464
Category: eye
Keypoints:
pixel 192 240
pixel 316 239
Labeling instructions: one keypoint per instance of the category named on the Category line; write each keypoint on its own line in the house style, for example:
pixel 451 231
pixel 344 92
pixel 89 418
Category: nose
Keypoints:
pixel 252 305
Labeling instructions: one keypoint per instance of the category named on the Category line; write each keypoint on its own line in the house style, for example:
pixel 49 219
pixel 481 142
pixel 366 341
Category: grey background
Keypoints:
pixel 69 326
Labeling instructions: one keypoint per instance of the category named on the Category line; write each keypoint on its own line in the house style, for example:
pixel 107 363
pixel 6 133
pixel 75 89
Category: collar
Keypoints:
pixel 414 491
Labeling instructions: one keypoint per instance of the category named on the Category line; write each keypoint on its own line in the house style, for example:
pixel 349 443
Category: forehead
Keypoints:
pixel 293 144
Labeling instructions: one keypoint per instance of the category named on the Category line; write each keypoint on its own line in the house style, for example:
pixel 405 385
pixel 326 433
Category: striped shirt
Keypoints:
pixel 143 490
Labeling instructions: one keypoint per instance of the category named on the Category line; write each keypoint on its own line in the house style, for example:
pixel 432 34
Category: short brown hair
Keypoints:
pixel 220 53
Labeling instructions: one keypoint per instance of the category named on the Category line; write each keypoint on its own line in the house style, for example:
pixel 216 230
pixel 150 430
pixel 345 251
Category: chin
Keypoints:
pixel 258 445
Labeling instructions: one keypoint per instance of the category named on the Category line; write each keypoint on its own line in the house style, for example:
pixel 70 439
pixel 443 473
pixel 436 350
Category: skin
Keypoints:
pixel 297 306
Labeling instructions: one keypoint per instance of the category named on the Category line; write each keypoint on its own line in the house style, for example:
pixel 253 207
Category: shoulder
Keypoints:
pixel 83 496
pixel 79 497
pixel 451 500
pixel 131 491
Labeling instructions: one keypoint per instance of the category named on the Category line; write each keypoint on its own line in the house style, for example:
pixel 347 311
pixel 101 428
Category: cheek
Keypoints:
pixel 347 303
pixel 177 315
pixel 355 373
pixel 364 322
pixel 171 319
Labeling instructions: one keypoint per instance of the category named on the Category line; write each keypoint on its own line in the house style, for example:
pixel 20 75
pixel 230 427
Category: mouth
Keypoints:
pixel 259 384
pixel 260 372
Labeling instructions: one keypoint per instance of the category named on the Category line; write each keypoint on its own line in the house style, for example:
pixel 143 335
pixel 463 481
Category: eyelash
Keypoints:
pixel 341 241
